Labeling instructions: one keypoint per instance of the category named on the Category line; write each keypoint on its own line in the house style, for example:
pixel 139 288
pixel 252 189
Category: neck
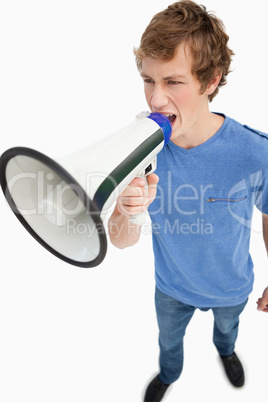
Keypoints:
pixel 200 132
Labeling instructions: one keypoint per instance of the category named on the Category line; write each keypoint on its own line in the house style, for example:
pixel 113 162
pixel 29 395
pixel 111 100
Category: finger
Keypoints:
pixel 137 182
pixel 152 179
pixel 131 191
pixel 132 201
pixel 265 310
pixel 262 305
pixel 152 188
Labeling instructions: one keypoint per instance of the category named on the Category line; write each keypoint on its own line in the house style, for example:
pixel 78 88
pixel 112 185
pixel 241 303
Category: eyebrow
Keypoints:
pixel 170 77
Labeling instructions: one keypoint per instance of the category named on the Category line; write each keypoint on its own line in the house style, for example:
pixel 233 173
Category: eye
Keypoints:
pixel 148 81
pixel 174 82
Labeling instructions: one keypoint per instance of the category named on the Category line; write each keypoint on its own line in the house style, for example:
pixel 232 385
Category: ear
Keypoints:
pixel 214 83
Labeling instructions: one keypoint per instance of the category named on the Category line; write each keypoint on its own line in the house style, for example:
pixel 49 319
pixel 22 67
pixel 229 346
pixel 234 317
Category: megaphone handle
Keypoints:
pixel 139 219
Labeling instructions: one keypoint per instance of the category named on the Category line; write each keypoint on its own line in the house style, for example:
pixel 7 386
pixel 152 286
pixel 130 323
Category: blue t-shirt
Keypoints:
pixel 201 217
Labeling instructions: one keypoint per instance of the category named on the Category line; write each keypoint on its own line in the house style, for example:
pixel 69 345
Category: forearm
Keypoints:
pixel 122 232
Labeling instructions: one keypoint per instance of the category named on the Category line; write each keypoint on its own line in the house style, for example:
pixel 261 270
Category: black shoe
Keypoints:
pixel 234 370
pixel 155 391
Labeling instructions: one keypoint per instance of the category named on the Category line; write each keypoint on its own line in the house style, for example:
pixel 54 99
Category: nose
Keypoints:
pixel 159 98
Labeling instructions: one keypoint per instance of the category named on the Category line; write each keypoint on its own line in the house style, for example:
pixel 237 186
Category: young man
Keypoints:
pixel 210 174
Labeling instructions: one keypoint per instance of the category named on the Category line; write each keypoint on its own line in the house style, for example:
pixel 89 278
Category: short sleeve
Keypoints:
pixel 259 186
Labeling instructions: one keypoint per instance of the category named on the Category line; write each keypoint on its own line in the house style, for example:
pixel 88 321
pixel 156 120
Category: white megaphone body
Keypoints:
pixel 63 202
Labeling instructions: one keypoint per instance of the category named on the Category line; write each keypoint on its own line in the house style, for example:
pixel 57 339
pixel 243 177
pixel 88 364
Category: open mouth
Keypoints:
pixel 171 117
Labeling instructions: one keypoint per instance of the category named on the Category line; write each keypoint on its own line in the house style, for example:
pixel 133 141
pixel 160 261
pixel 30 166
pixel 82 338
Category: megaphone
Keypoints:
pixel 63 202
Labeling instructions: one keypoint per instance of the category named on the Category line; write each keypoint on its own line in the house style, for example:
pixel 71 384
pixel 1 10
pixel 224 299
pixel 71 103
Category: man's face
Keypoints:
pixel 171 88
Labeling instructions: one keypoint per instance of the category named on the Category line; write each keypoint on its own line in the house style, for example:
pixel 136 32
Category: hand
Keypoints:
pixel 136 198
pixel 263 301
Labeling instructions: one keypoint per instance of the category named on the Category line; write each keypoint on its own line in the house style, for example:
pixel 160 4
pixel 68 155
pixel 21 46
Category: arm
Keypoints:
pixel 263 301
pixel 123 233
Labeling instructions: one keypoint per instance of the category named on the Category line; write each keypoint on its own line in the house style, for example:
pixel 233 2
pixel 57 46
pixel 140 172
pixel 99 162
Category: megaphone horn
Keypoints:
pixel 63 202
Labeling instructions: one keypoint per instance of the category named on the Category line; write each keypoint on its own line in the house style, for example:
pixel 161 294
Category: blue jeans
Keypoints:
pixel 173 318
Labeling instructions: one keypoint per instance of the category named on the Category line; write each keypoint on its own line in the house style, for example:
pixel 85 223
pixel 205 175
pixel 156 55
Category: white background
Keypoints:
pixel 68 78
